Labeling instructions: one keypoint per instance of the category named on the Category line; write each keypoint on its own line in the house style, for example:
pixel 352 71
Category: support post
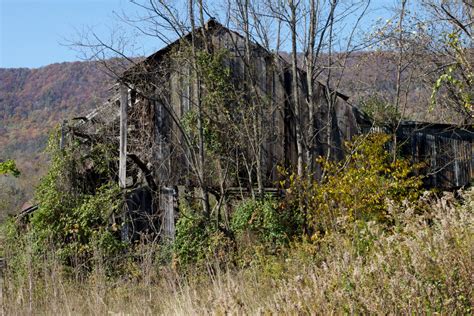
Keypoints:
pixel 123 135
pixel 125 231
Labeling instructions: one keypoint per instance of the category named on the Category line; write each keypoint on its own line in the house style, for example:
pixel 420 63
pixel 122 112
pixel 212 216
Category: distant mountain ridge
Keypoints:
pixel 64 87
pixel 32 101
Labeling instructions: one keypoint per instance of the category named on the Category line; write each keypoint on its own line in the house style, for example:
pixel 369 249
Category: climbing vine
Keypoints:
pixel 76 200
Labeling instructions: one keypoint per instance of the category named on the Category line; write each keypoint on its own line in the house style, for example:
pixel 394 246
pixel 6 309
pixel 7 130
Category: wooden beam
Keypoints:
pixel 123 135
pixel 63 135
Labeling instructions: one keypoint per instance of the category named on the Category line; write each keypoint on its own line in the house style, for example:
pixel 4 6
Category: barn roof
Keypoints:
pixel 465 132
pixel 210 26
pixel 108 111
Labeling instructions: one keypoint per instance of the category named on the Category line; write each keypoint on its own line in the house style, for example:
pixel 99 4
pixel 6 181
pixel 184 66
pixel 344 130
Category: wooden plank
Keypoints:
pixel 123 136
pixel 167 207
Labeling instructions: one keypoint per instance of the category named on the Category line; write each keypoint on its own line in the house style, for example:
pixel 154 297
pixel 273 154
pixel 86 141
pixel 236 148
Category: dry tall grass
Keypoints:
pixel 423 266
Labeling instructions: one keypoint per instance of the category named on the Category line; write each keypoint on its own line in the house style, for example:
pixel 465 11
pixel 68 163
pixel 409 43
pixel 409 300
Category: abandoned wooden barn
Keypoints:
pixel 153 106
pixel 154 99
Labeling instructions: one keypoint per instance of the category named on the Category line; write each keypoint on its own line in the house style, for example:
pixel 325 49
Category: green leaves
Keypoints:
pixel 216 98
pixel 265 220
pixel 198 241
pixel 9 167
pixel 381 112
pixel 357 188
pixel 457 77
pixel 76 199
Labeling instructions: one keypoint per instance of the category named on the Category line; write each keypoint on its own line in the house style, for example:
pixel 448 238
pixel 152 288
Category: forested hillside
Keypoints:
pixel 373 74
pixel 32 101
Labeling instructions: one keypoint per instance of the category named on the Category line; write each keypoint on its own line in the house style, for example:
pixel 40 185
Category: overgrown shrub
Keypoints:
pixel 198 241
pixel 357 188
pixel 375 245
pixel 266 221
pixel 423 265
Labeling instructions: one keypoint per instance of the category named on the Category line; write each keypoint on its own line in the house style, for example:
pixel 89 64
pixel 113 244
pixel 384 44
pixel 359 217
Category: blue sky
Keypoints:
pixel 33 33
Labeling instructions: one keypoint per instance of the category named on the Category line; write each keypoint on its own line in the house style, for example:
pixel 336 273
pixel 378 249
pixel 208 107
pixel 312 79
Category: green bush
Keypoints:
pixel 357 188
pixel 9 167
pixel 198 241
pixel 265 220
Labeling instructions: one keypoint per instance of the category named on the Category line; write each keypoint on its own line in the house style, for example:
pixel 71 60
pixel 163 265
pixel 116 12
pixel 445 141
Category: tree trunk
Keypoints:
pixel 295 92
pixel 310 65
pixel 201 149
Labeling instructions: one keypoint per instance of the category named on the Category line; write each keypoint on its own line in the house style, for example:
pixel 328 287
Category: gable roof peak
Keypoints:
pixel 212 22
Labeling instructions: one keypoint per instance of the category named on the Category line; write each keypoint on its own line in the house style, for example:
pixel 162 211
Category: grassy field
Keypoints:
pixel 424 265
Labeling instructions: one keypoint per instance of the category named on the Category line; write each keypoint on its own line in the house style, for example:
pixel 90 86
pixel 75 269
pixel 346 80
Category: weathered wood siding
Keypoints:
pixel 168 208
pixel 164 91
pixel 446 151
pixel 272 78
